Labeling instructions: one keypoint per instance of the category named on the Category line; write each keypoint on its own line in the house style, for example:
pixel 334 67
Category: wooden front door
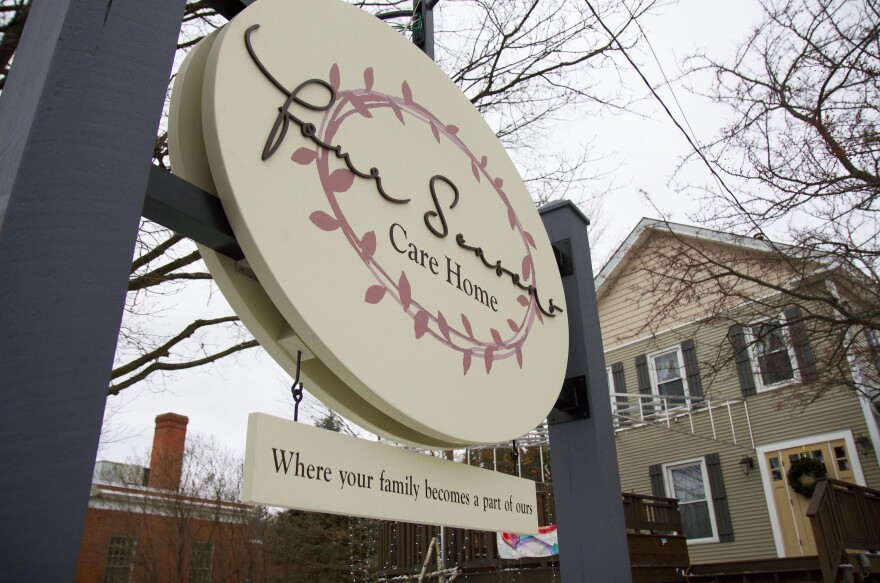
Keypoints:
pixel 791 507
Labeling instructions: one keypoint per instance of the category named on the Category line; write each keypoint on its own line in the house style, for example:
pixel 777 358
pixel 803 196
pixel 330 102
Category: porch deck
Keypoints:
pixel 846 521
pixel 657 549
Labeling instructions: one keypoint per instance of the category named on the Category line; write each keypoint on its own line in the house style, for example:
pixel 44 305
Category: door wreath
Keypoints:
pixel 805 466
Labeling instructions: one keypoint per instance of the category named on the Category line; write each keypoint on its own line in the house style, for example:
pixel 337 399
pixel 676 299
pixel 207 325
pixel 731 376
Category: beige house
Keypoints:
pixel 719 388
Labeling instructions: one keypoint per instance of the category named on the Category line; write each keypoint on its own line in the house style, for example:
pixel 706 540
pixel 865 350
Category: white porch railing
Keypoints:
pixel 631 410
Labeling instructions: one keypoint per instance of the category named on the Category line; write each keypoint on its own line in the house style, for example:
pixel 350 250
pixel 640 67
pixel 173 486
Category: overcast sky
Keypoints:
pixel 645 151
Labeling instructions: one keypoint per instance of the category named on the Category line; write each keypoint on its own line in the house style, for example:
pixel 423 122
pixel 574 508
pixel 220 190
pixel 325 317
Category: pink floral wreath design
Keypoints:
pixel 361 102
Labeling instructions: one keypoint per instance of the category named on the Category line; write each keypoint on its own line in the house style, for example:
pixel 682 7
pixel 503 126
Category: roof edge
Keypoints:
pixel 617 259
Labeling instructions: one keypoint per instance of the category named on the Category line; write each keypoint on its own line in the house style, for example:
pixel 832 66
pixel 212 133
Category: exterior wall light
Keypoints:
pixel 863 444
pixel 746 464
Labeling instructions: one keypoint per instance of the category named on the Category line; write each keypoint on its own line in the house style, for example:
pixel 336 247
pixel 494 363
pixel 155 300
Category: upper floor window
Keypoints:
pixel 120 560
pixel 667 373
pixel 772 353
pixel 668 379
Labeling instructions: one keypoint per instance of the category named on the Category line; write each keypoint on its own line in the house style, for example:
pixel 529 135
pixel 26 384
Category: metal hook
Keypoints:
pixel 297 388
pixel 514 453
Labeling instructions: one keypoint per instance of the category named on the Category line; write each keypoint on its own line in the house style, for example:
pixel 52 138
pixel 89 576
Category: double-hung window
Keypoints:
pixel 772 353
pixel 201 562
pixel 688 482
pixel 120 559
pixel 668 378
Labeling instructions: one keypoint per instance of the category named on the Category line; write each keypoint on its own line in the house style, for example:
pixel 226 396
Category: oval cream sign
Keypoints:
pixel 385 223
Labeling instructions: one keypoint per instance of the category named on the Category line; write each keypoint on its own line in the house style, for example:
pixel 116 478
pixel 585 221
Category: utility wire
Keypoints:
pixel 666 81
pixel 662 72
pixel 659 99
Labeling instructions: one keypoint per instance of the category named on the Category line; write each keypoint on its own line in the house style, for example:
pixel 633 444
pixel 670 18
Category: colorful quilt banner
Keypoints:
pixel 521 546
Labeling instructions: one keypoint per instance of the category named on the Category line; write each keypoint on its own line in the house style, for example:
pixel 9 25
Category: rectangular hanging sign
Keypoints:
pixel 295 465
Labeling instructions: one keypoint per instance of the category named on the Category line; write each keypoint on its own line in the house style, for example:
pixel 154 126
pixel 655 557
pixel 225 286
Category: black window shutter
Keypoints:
pixel 875 348
pixel 619 380
pixel 719 498
pixel 658 488
pixel 642 374
pixel 801 344
pixel 692 368
pixel 741 357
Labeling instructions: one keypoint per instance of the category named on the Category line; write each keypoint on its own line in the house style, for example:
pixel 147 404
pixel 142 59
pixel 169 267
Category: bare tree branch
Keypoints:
pixel 114 389
pixel 165 349
pixel 155 252
pixel 161 273
pixel 801 156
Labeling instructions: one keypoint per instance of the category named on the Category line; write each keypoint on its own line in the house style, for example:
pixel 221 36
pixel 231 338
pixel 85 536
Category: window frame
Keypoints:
pixel 652 372
pixel 752 342
pixel 707 489
pixel 197 572
pixel 116 572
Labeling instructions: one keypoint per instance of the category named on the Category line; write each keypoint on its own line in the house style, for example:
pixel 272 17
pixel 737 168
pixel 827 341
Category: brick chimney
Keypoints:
pixel 166 460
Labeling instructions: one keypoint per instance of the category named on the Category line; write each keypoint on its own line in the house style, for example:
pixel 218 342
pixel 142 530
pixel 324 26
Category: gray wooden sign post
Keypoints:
pixel 78 120
pixel 586 481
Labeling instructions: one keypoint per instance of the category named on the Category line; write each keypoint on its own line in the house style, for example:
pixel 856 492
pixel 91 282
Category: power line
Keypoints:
pixel 668 84
pixel 659 99
pixel 662 72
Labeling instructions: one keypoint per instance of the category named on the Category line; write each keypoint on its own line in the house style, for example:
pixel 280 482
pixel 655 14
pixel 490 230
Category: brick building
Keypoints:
pixel 157 524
